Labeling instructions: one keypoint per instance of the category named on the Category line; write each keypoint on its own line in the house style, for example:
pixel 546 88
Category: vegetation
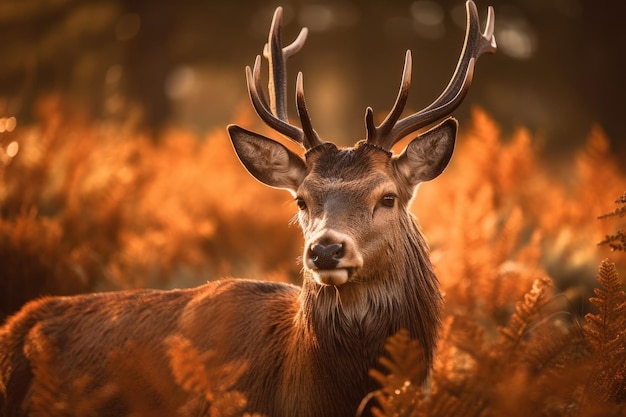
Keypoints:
pixel 91 206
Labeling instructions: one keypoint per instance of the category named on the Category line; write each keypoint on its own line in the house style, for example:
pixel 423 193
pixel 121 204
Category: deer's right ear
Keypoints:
pixel 267 160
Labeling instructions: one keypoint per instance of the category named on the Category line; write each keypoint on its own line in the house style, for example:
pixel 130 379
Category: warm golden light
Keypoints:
pixel 513 239
pixel 12 149
pixel 7 124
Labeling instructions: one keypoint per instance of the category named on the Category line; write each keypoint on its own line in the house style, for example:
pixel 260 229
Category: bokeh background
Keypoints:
pixel 558 69
pixel 116 171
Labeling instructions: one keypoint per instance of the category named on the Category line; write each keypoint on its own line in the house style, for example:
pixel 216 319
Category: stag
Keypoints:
pixel 307 350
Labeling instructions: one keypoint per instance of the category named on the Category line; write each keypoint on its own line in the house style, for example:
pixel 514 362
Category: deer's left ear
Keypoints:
pixel 428 154
pixel 267 160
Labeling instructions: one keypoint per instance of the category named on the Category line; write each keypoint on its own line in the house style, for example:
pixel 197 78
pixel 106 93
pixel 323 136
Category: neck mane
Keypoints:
pixel 361 315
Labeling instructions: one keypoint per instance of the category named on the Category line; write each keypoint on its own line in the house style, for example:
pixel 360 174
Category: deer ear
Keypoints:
pixel 428 154
pixel 267 160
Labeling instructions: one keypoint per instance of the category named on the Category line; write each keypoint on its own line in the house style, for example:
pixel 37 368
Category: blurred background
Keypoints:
pixel 557 71
pixel 116 170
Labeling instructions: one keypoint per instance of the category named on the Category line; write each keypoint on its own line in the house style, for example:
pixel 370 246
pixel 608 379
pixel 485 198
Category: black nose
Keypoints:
pixel 326 257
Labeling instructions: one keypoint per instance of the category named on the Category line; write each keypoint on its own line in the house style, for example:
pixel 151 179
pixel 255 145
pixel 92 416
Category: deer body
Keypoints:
pixel 306 355
pixel 306 350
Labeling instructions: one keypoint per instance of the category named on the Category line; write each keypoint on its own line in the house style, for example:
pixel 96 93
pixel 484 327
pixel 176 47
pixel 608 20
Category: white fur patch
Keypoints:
pixel 338 276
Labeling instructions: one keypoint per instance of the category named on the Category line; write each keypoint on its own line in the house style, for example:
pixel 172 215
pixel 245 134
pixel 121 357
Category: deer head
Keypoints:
pixel 353 202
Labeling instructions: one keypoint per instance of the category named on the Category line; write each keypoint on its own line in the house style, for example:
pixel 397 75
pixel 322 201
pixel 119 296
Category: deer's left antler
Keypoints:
pixel 391 130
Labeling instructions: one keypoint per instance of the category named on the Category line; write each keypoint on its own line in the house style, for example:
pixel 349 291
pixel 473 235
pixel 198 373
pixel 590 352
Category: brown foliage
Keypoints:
pixel 606 334
pixel 536 365
pixel 144 386
pixel 51 398
pixel 97 206
pixel 617 240
pixel 199 373
pixel 500 213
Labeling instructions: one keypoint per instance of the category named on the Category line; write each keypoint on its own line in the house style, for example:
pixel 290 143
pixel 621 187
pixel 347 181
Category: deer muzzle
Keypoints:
pixel 332 257
pixel 326 257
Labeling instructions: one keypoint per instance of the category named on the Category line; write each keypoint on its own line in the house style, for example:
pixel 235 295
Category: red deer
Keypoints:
pixel 307 350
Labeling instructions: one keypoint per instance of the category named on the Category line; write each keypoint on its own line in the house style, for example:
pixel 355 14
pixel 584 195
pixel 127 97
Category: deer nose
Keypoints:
pixel 326 257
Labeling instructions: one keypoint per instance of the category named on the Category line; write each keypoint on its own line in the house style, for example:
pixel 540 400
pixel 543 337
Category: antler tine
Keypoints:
pixel 275 114
pixel 311 138
pixel 376 134
pixel 253 77
pixel 277 57
pixel 476 44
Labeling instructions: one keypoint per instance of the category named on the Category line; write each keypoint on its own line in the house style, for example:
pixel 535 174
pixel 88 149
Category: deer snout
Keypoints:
pixel 332 258
pixel 326 257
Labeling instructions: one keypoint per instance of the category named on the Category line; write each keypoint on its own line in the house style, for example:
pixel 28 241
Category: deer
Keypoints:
pixel 307 349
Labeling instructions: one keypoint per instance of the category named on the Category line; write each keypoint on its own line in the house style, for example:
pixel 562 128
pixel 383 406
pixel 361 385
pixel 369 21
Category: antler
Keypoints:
pixel 275 114
pixel 391 130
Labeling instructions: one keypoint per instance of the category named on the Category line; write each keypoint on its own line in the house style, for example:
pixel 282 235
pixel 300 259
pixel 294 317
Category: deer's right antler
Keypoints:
pixel 275 114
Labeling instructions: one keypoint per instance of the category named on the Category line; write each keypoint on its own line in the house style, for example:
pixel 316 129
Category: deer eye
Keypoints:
pixel 300 203
pixel 388 200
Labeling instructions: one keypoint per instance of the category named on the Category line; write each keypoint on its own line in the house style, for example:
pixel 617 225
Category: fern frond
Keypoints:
pixel 468 400
pixel 46 398
pixel 526 312
pixel 401 387
pixel 555 345
pixel 143 386
pixel 468 336
pixel 616 240
pixel 51 396
pixel 204 374
pixel 608 323
pixel 406 360
pixel 619 211
pixel 605 332
pixel 188 366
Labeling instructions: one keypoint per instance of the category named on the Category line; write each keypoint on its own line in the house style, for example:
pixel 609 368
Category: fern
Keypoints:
pixel 467 335
pixel 617 240
pixel 605 332
pixel 618 212
pixel 554 346
pixel 401 387
pixel 50 397
pixel 203 374
pixel 526 311
pixel 46 397
pixel 143 387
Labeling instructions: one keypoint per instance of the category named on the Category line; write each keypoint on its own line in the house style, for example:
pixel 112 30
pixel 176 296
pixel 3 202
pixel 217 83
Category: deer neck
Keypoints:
pixel 359 317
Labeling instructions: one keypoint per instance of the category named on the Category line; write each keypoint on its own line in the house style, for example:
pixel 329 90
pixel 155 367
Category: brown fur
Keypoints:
pixel 307 350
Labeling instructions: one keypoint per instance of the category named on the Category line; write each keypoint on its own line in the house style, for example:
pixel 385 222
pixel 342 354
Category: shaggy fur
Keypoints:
pixel 307 351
